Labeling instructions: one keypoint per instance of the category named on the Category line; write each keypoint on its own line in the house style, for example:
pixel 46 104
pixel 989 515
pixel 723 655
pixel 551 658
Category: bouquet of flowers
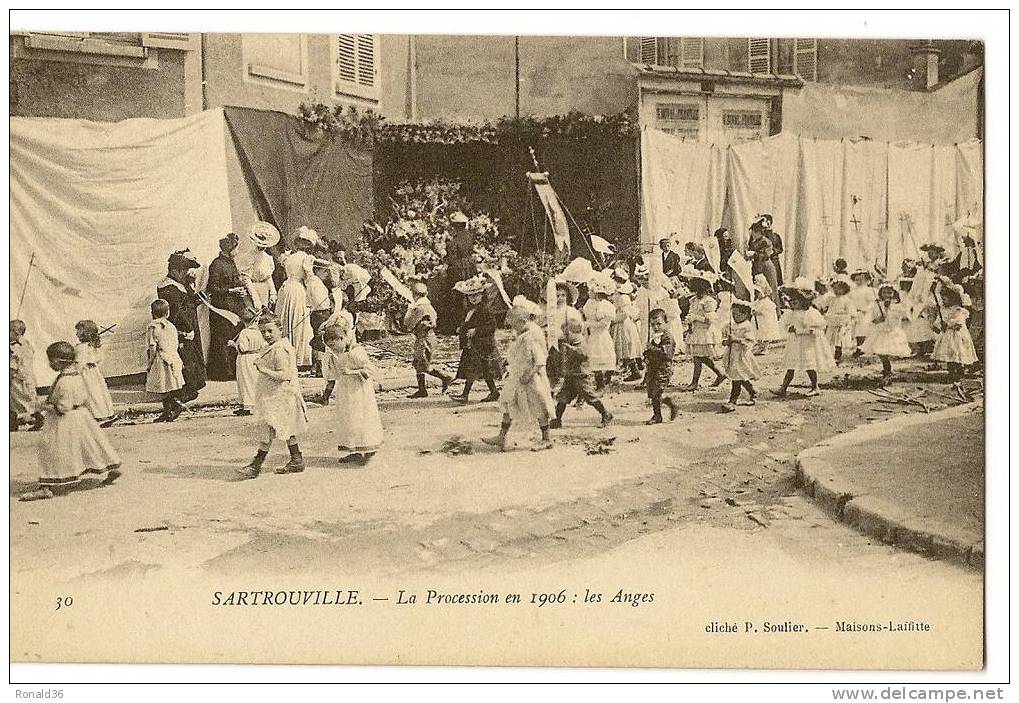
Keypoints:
pixel 412 242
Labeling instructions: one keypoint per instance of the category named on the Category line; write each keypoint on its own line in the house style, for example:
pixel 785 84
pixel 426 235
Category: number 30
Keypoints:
pixel 64 602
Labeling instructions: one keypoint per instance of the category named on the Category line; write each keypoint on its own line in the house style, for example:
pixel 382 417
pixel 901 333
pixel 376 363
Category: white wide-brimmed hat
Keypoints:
pixel 578 271
pixel 264 234
pixel 602 282
pixel 471 286
pixel 522 305
pixel 307 234
pixel 459 218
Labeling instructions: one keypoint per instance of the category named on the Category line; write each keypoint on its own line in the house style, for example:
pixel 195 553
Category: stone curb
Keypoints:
pixel 878 518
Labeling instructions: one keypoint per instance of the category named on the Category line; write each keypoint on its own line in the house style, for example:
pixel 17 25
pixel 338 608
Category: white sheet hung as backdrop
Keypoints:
pixel 102 205
pixel 829 198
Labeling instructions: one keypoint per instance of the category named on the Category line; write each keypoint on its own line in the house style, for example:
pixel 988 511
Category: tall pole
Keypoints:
pixel 516 74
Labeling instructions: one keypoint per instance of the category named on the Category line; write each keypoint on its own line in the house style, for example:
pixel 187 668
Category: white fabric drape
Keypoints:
pixel 866 201
pixel 101 206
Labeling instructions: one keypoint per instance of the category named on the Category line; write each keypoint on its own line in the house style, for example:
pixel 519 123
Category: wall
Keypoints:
pixel 98 92
pixel 227 83
pixel 472 77
pixel 227 86
pixel 946 116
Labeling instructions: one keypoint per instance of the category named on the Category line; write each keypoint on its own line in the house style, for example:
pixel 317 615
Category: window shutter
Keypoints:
pixel 346 58
pixel 649 50
pixel 366 60
pixel 692 52
pixel 181 41
pixel 759 55
pixel 805 59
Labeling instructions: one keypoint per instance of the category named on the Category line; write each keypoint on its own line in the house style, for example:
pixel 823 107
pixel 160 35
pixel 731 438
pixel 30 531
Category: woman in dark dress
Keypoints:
pixel 776 246
pixel 726 247
pixel 479 352
pixel 761 254
pixel 226 291
pixel 178 290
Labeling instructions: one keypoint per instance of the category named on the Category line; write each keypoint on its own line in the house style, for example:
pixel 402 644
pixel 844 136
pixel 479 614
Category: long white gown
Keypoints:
pixel 358 425
pixel 89 361
pixel 292 305
pixel 72 446
pixel 249 343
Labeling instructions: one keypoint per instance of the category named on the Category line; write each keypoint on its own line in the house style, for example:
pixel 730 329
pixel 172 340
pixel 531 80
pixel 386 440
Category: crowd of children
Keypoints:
pixel 622 319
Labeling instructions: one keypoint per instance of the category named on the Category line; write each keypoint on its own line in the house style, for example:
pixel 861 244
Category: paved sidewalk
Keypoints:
pixel 916 481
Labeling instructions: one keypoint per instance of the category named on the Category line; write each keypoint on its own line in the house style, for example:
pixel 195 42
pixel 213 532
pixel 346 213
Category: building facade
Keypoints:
pixel 718 89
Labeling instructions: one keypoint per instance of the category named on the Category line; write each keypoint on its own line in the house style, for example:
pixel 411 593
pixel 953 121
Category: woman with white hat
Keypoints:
pixel 257 277
pixel 292 306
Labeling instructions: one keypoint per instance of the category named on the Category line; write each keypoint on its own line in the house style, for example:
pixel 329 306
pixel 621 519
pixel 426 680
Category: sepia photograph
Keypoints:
pixel 473 348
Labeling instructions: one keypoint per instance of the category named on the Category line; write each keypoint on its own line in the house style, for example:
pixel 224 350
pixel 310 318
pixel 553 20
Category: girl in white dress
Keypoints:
pixel 887 335
pixel 954 345
pixel 73 452
pixel 358 426
pixel 863 298
pixel 668 301
pixel 279 404
pixel 248 344
pixel 292 305
pixel 806 348
pixel 919 332
pixel 625 336
pixel 526 395
pixel 24 397
pixel 765 316
pixel 165 375
pixel 705 338
pixel 739 337
pixel 839 319
pixel 599 313
pixel 89 358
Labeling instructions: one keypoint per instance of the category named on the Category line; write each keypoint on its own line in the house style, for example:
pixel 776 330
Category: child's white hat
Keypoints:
pixel 525 306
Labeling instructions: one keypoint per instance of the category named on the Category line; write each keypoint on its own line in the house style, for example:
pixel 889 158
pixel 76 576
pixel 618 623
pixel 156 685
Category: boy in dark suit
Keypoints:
pixel 576 373
pixel 660 351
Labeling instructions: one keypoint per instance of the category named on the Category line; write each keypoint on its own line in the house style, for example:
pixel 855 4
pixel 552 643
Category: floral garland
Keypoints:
pixel 370 126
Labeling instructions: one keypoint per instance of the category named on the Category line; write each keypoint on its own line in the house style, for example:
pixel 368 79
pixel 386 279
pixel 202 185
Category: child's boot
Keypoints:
pixel 421 391
pixel 673 408
pixel 296 463
pixel 500 439
pixel 545 442
pixel 556 423
pixel 254 467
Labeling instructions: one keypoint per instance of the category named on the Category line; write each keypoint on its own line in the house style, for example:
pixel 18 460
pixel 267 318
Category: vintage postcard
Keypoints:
pixel 491 349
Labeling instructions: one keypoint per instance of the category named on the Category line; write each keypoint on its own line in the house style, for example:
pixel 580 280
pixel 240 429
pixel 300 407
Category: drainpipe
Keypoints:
pixel 516 60
pixel 201 60
pixel 412 70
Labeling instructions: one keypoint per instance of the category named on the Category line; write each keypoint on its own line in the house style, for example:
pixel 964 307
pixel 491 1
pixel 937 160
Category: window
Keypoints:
pixel 743 125
pixel 805 59
pixel 759 55
pixel 133 49
pixel 356 65
pixel 681 52
pixel 681 119
pixel 281 59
